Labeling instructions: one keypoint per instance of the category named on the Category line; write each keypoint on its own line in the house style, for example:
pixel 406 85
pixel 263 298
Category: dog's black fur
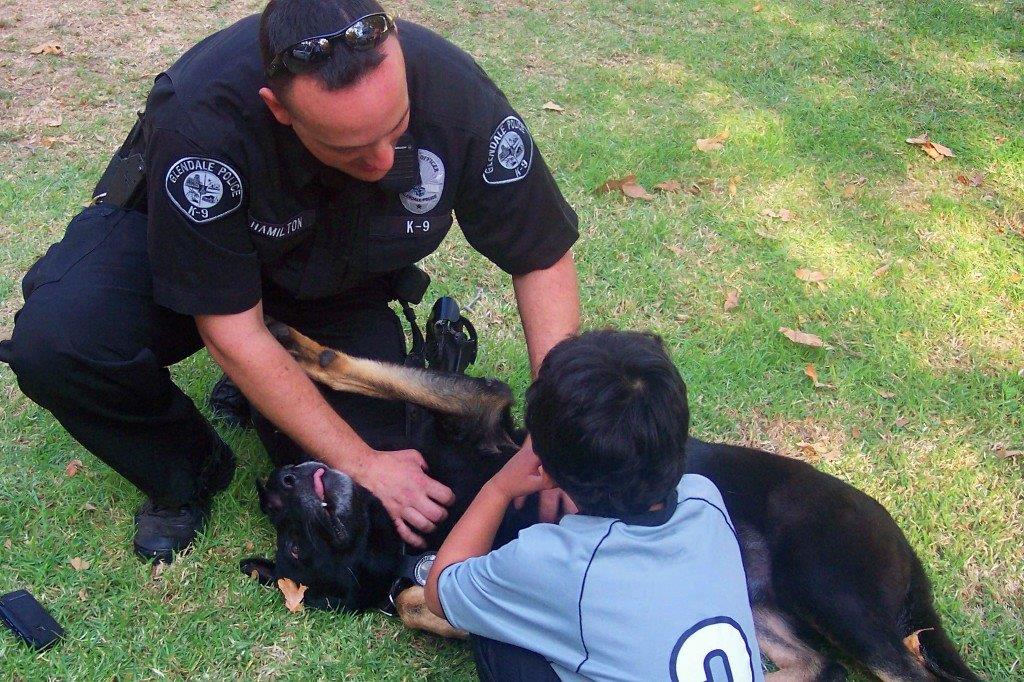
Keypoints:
pixel 825 563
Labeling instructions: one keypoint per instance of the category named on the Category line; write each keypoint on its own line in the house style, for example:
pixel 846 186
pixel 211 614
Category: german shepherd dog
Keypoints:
pixel 825 563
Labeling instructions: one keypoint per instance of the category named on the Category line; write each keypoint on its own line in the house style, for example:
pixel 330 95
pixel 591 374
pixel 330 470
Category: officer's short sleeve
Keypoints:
pixel 523 593
pixel 202 258
pixel 509 206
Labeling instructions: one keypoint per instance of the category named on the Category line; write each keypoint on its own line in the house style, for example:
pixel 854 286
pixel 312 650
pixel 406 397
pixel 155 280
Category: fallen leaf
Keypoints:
pixel 802 338
pixel 913 645
pixel 734 182
pixel 849 192
pixel 1015 277
pixel 888 395
pixel 812 373
pixel 732 299
pixel 669 186
pixel 293 594
pixel 83 595
pixel 901 422
pixel 88 506
pixel 635 191
pixel 48 48
pixel 1003 453
pixel 73 467
pixel 80 564
pixel 882 269
pixel 812 276
pixel 56 122
pixel 710 144
pixel 855 432
pixel 551 106
pixel 783 214
pixel 613 184
pixel 933 149
pixel 758 7
pixel 1001 139
pixel 249 545
pixel 973 181
pixel 157 570
pixel 676 250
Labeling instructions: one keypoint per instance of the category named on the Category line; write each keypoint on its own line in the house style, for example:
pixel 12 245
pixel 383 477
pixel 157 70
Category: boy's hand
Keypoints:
pixel 521 475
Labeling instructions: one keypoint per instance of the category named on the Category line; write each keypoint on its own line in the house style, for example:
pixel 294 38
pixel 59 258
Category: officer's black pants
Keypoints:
pixel 92 347
pixel 501 662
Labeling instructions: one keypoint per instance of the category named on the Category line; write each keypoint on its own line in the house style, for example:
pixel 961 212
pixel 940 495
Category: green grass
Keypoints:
pixel 926 360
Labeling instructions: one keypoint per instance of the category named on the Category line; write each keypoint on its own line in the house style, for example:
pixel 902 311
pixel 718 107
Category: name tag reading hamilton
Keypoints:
pixel 203 189
pixel 282 230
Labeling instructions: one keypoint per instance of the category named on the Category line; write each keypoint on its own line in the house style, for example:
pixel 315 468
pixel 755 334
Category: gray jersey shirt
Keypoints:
pixel 653 597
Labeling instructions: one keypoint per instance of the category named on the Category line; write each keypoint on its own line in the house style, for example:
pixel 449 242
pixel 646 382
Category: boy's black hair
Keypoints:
pixel 609 420
pixel 286 22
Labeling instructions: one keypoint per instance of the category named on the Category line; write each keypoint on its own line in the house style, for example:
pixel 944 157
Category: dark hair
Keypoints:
pixel 286 22
pixel 609 421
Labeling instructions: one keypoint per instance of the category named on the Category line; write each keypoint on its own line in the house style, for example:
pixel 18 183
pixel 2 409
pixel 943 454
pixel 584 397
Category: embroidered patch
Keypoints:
pixel 427 195
pixel 282 230
pixel 203 189
pixel 509 153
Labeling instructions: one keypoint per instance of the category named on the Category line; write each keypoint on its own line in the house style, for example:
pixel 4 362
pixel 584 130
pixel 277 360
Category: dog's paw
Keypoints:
pixel 412 609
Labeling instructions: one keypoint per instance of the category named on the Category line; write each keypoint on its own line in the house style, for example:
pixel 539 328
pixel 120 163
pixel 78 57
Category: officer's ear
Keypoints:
pixel 276 106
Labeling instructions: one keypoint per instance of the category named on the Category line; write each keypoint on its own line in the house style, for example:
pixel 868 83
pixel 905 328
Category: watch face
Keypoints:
pixel 422 569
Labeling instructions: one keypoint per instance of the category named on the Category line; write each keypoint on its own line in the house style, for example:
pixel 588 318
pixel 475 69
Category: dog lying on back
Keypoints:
pixel 824 562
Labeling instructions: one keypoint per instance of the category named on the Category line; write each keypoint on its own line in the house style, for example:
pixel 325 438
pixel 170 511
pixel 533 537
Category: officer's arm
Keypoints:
pixel 549 306
pixel 276 385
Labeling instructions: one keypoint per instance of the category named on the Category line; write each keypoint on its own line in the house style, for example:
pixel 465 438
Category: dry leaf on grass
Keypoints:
pixel 83 595
pixel 973 181
pixel 783 214
pixel 855 432
pixel 80 564
pixel 89 506
pixel 810 276
pixel 888 395
pixel 732 299
pixel 758 7
pixel 669 186
pixel 812 374
pixel 627 185
pixel 48 48
pixel 157 571
pixel 901 422
pixel 678 250
pixel 802 338
pixel 293 594
pixel 710 144
pixel 73 467
pixel 882 269
pixel 1002 452
pixel 933 149
pixel 734 182
pixel 551 106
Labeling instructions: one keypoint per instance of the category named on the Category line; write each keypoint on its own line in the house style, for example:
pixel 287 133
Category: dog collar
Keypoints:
pixel 413 570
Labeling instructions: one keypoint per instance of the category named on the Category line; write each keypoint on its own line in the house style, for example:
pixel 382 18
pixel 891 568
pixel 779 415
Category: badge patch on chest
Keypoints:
pixel 427 195
pixel 509 153
pixel 203 189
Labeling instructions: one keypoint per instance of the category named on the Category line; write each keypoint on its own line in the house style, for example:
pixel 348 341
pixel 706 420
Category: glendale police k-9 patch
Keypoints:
pixel 509 153
pixel 203 189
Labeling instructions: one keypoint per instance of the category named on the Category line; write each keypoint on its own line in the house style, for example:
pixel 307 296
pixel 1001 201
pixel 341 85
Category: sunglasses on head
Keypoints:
pixel 362 34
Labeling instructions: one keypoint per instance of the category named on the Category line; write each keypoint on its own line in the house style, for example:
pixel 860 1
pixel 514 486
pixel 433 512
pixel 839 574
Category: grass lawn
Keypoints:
pixel 921 311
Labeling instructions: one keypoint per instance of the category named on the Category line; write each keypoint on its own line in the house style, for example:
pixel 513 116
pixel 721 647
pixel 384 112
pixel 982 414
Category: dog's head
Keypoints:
pixel 324 540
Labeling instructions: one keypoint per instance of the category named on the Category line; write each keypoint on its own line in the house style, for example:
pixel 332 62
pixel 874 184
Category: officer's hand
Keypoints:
pixel 415 501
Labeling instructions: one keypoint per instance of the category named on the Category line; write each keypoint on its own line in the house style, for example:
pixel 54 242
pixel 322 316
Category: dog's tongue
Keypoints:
pixel 318 483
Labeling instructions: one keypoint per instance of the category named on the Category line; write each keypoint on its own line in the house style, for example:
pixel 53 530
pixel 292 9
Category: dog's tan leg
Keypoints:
pixel 412 609
pixel 481 400
pixel 796 661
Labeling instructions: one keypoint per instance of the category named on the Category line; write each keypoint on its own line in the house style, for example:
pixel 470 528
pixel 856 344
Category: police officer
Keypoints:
pixel 289 164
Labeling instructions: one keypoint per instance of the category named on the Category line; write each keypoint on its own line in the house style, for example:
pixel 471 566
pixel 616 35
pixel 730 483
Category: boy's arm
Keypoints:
pixel 473 535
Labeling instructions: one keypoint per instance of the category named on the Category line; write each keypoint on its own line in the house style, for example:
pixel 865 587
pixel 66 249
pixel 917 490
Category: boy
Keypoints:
pixel 646 582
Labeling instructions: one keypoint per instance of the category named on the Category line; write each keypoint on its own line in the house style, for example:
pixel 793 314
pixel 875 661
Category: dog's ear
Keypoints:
pixel 269 502
pixel 260 569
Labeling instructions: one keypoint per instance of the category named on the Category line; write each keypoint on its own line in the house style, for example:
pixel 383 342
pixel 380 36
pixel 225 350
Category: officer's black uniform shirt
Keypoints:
pixel 240 211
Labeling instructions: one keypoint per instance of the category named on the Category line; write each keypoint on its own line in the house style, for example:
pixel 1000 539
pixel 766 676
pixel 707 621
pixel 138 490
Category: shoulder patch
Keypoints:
pixel 203 189
pixel 509 152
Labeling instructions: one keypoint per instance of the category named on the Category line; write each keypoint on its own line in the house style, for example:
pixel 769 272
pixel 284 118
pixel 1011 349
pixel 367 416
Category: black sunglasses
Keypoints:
pixel 362 34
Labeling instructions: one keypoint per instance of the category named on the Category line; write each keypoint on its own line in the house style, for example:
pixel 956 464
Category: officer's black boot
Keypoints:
pixel 229 405
pixel 161 531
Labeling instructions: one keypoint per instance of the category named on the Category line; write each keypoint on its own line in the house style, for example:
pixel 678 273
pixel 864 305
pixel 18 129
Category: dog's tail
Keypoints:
pixel 926 638
pixel 481 404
